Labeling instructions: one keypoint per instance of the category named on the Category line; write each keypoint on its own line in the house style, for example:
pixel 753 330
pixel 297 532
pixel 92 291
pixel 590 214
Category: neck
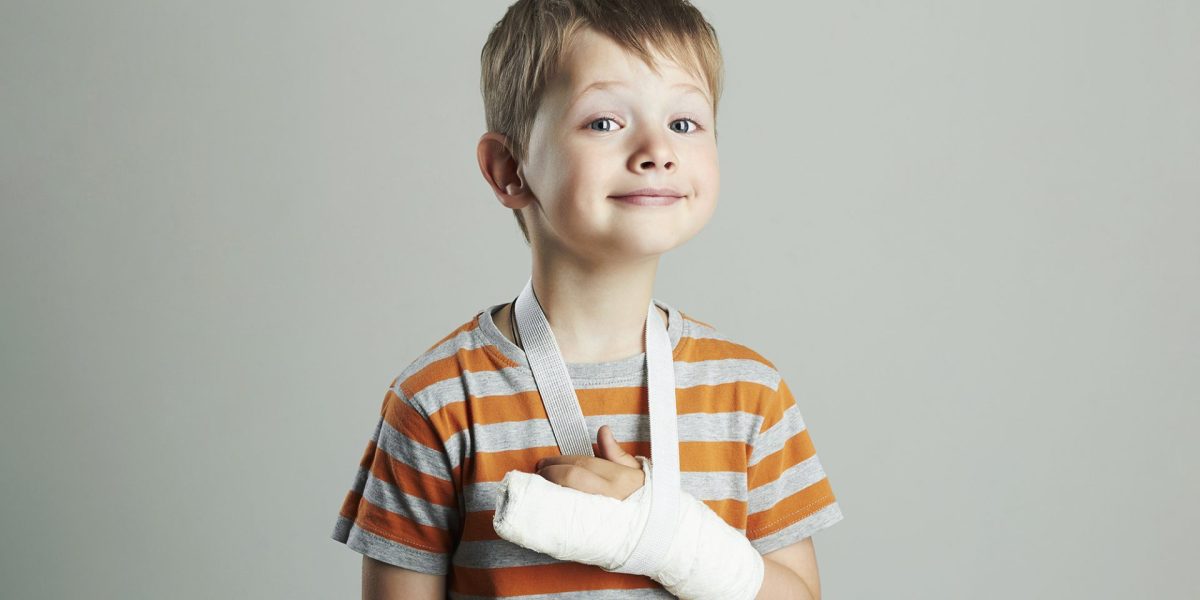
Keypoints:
pixel 597 313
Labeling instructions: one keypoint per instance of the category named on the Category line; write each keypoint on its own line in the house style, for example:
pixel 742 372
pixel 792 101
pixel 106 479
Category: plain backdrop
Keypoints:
pixel 967 233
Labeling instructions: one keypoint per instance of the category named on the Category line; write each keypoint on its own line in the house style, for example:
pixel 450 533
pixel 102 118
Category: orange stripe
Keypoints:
pixel 777 404
pixel 477 526
pixel 413 482
pixel 551 578
pixel 480 360
pixel 700 349
pixel 709 457
pixel 446 422
pixel 628 400
pixel 491 466
pixel 406 420
pixel 407 479
pixel 795 450
pixel 696 457
pixel 389 525
pixel 730 509
pixel 450 367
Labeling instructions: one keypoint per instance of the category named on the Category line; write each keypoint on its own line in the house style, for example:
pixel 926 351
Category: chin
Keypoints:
pixel 654 243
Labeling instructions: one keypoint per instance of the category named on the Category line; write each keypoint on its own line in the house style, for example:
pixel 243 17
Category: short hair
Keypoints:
pixel 525 50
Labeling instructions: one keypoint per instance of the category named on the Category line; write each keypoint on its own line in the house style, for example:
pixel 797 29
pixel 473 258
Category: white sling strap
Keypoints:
pixel 571 432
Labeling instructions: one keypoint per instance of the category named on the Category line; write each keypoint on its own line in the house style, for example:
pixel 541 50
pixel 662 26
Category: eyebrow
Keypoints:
pixel 607 83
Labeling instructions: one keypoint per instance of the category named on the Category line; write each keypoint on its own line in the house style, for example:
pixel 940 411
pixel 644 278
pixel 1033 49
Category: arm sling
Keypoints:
pixel 671 524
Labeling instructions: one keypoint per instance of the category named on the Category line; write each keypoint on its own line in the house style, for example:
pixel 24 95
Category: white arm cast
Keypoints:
pixel 707 559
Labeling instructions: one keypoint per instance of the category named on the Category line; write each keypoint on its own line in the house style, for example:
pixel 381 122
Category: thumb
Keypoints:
pixel 609 450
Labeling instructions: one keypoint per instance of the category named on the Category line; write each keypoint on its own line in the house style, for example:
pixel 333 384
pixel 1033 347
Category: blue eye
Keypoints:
pixel 601 119
pixel 697 125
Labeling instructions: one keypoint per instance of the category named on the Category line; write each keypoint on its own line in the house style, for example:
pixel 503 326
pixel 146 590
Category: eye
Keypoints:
pixel 601 120
pixel 695 124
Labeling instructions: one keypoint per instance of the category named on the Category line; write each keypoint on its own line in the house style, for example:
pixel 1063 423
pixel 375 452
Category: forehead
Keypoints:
pixel 593 62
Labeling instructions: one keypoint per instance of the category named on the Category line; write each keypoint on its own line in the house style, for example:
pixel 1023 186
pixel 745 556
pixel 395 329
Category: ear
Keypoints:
pixel 500 170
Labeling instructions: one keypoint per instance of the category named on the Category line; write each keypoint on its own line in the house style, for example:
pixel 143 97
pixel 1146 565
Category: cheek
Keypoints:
pixel 567 162
pixel 707 170
pixel 581 176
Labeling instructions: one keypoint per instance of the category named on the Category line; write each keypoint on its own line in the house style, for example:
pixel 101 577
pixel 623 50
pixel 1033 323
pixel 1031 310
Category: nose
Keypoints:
pixel 654 151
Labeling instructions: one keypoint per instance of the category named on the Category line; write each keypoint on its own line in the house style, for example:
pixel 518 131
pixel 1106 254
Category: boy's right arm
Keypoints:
pixel 382 581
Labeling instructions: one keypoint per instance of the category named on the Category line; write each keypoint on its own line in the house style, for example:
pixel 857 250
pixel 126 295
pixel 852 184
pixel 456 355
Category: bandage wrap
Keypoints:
pixel 706 559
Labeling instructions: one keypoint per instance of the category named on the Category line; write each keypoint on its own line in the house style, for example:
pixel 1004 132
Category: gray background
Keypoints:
pixel 968 234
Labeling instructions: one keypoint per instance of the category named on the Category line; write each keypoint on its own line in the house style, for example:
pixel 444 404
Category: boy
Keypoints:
pixel 585 100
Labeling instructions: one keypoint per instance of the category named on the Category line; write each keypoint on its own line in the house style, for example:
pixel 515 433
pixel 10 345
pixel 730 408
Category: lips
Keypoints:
pixel 650 196
pixel 648 200
pixel 649 191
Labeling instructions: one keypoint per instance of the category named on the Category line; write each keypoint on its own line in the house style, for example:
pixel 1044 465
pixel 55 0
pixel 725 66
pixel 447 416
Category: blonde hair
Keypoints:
pixel 525 49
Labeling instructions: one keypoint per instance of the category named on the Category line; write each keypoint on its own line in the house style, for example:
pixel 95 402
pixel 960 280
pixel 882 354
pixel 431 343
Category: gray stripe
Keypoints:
pixel 465 340
pixel 698 330
pixel 388 551
pixel 378 428
pixel 360 480
pixel 489 334
pixel 733 426
pixel 702 485
pixel 798 477
pixel 484 386
pixel 431 461
pixel 772 440
pixel 496 554
pixel 459 446
pixel 798 531
pixel 724 371
pixel 389 497
pixel 509 381
pixel 693 427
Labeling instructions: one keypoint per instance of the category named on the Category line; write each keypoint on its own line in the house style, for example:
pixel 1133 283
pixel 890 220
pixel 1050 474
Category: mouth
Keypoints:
pixel 650 196
pixel 647 200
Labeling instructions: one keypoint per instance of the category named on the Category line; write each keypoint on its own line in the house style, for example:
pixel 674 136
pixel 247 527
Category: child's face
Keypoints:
pixel 646 131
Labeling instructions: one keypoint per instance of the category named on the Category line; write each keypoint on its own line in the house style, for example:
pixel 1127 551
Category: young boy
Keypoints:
pixel 601 138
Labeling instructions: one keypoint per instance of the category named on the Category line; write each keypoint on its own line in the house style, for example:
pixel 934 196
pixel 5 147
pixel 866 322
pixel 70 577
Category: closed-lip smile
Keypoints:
pixel 651 192
pixel 650 196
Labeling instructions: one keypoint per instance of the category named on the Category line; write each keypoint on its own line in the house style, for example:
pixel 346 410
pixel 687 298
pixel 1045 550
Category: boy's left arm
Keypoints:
pixel 791 573
pixel 550 515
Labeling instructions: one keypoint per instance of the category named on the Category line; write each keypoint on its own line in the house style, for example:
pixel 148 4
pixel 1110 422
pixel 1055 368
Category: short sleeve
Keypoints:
pixel 402 508
pixel 790 497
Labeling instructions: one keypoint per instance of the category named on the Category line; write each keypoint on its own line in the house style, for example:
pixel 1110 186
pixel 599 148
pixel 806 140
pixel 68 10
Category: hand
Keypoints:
pixel 594 511
pixel 615 474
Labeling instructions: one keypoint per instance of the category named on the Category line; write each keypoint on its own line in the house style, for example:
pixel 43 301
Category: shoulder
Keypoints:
pixel 427 399
pixel 434 380
pixel 742 383
pixel 704 343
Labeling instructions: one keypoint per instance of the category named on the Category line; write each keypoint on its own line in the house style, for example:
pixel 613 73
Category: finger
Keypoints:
pixel 609 449
pixel 604 468
pixel 576 478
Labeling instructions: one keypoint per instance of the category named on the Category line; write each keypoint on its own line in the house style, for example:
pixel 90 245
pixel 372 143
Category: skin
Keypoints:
pixel 595 258
pixel 791 572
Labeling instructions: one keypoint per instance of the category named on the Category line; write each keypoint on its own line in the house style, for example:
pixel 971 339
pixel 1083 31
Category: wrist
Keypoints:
pixel 709 559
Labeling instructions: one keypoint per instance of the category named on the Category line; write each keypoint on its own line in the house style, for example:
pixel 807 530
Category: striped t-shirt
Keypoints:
pixel 467 411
